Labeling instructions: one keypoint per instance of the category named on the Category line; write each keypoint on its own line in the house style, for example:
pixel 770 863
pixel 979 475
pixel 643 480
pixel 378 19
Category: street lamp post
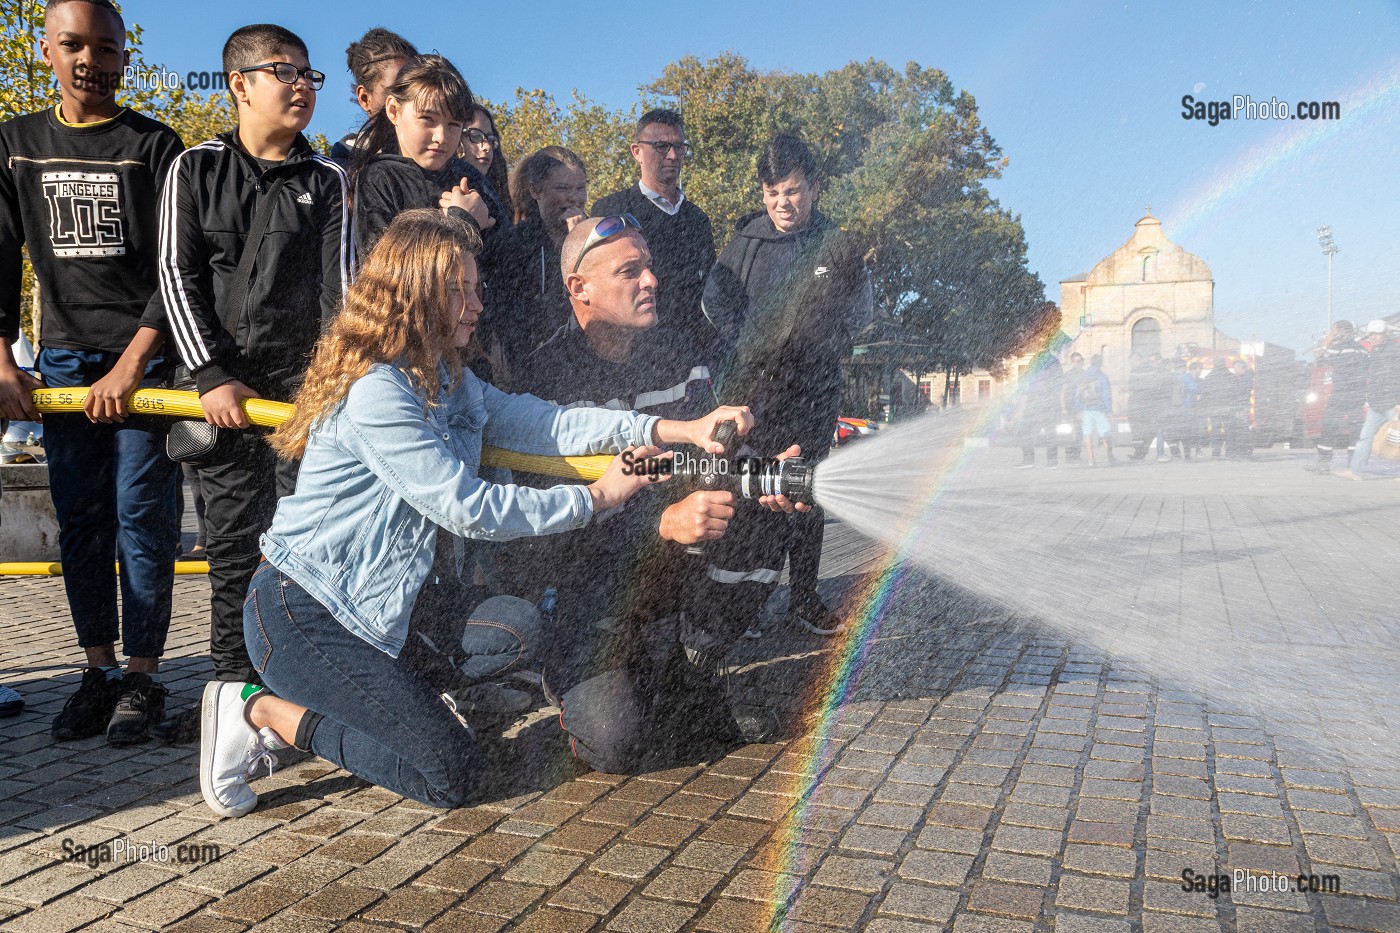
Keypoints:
pixel 1329 249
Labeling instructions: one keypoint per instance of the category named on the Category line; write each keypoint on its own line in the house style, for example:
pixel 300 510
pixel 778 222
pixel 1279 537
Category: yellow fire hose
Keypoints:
pixel 263 413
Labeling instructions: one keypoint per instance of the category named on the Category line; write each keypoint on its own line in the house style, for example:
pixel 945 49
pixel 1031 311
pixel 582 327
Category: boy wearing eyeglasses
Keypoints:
pixel 78 186
pixel 208 208
pixel 680 235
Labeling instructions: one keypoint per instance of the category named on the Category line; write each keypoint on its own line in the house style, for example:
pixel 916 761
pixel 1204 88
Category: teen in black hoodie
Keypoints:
pixel 788 296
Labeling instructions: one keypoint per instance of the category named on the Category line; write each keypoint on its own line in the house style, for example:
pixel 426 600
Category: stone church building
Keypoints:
pixel 1148 296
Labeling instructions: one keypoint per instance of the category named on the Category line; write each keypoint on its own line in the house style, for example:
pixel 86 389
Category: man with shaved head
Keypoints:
pixel 633 665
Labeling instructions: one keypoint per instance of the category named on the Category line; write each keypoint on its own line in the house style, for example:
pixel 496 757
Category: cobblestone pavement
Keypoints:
pixel 984 774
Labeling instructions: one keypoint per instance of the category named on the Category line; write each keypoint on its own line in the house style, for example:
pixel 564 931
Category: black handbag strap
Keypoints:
pixel 243 275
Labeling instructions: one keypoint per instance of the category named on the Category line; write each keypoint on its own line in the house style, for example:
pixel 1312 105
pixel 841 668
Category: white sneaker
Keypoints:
pixel 230 749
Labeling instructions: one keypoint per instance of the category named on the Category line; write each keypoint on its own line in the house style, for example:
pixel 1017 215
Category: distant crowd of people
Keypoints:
pixel 405 293
pixel 1177 409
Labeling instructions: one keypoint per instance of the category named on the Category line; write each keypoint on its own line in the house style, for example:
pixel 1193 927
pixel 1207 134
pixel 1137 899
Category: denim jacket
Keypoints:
pixel 383 468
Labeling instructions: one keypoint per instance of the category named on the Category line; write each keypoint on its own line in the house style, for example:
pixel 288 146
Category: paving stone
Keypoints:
pixel 161 908
pixel 947 839
pixel 736 832
pixel 1263 858
pixel 615 812
pixel 689 885
pixel 688 806
pixel 355 848
pixel 768 887
pixel 225 875
pixel 728 915
pixel 495 848
pixel 337 902
pixel 1168 897
pixel 1067 922
pixel 942 868
pixel 1027 841
pixel 579 838
pixel 1017 901
pixel 1255 829
pixel 1362 914
pixel 972 794
pixel 1034 816
pixel 127 883
pixel 1254 920
pixel 647 916
pixel 1164 805
pixel 591 893
pixel 69 914
pixel 1349 852
pixel 502 899
pixel 1173 827
pixel 543 868
pixel 1314 780
pixel 549 920
pixel 1084 892
pixel 830 907
pixel 1111 861
pixel 854 874
pixel 891 817
pixel 919 902
pixel 256 902
pixel 873 839
pixel 629 861
pixel 1022 869
pixel 1360 882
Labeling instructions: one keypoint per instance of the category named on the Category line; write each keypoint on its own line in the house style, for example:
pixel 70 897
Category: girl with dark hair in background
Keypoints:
pixel 374 61
pixel 481 146
pixel 526 301
pixel 405 156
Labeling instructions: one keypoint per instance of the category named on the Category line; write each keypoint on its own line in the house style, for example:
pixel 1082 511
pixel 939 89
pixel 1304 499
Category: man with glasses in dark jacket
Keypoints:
pixel 679 234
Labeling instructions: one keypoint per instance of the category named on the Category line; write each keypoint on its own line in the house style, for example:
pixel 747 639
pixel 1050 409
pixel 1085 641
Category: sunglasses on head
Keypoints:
pixel 607 228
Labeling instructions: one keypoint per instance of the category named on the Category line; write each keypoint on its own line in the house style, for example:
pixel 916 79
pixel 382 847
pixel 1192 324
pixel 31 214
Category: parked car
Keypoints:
pixel 848 429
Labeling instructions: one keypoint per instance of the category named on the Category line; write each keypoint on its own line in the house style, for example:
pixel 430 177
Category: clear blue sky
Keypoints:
pixel 1084 98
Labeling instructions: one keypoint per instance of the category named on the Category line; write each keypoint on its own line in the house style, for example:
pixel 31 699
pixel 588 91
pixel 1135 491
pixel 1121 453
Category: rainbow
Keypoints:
pixel 1287 146
pixel 836 683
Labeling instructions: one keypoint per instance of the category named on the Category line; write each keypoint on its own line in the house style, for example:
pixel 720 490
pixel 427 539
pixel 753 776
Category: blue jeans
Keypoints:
pixel 114 491
pixel 382 720
pixel 1369 428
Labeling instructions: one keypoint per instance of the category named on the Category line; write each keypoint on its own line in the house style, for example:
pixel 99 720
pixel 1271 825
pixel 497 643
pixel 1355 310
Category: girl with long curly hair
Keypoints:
pixel 389 429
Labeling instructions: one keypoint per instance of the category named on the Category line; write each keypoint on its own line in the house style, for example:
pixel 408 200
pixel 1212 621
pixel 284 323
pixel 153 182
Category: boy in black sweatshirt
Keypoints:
pixel 78 184
pixel 207 211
